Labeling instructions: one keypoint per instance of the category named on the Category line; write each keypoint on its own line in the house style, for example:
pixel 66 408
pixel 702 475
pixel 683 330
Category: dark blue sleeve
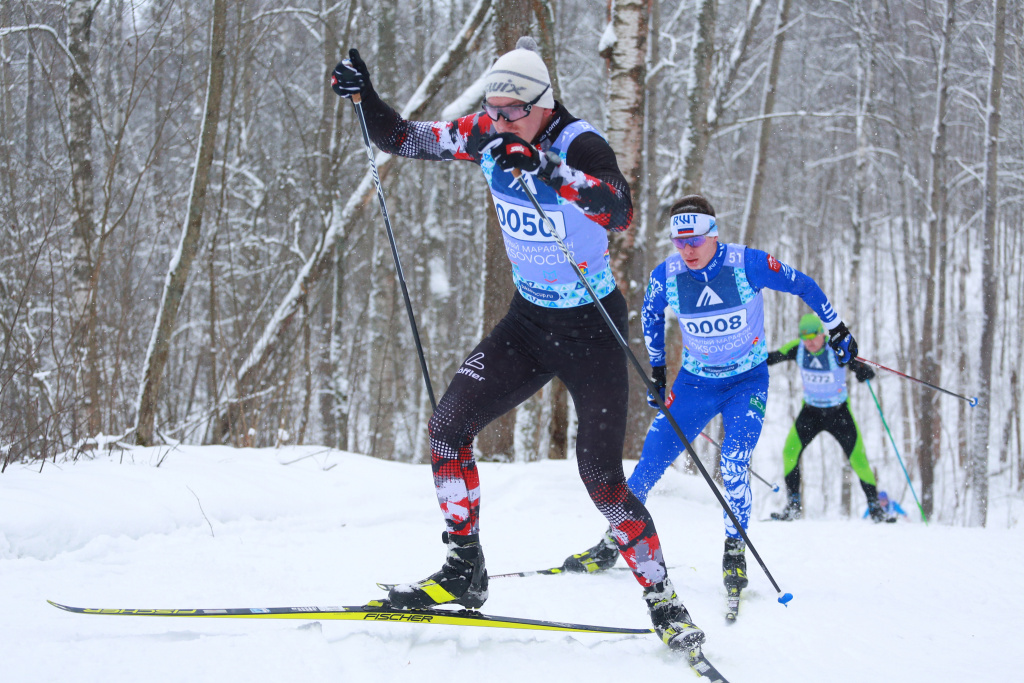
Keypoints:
pixel 765 271
pixel 653 316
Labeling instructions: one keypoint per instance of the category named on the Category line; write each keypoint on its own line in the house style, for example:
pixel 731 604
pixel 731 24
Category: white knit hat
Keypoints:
pixel 683 225
pixel 521 75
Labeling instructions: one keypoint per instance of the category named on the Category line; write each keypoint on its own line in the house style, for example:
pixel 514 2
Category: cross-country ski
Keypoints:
pixel 375 610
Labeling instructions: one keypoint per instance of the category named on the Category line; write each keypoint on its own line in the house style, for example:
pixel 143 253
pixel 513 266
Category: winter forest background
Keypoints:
pixel 192 249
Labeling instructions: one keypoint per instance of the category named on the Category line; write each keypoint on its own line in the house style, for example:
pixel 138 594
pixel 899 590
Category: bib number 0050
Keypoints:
pixel 524 223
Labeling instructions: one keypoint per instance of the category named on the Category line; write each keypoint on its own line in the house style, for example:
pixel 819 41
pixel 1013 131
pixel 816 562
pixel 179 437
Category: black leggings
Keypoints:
pixel 837 421
pixel 524 351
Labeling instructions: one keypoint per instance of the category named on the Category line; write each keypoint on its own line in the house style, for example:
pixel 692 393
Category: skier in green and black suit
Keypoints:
pixel 826 408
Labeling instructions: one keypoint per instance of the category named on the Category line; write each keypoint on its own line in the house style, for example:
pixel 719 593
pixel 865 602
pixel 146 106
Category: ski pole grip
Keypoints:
pixel 357 98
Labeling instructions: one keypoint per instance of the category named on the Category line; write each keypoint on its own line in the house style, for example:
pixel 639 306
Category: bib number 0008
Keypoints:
pixel 717 325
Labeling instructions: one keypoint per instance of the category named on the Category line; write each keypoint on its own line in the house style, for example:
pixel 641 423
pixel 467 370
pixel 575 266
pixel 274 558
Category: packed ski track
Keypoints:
pixel 216 527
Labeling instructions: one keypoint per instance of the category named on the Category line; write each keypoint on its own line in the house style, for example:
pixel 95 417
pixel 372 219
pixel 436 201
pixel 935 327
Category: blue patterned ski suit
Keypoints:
pixel 721 317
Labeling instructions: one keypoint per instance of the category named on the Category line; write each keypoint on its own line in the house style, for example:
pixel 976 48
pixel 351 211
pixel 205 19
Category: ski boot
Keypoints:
pixel 671 620
pixel 461 581
pixel 734 574
pixel 602 556
pixel 792 511
pixel 877 513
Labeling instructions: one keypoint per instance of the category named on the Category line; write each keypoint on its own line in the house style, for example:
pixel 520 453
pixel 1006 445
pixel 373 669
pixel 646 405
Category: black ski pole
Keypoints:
pixel 773 487
pixel 783 597
pixel 971 400
pixel 358 104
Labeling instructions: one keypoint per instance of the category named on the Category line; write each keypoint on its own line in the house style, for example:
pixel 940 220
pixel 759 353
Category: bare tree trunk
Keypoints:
pixel 990 284
pixel 544 10
pixel 497 439
pixel 625 54
pixel 688 169
pixel 931 417
pixel 757 168
pixel 80 115
pixel 181 262
pixel 859 222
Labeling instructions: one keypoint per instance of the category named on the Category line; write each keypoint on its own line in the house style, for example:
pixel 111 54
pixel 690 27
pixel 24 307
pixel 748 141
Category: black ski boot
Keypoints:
pixel 876 512
pixel 462 580
pixel 793 510
pixel 602 556
pixel 671 620
pixel 734 574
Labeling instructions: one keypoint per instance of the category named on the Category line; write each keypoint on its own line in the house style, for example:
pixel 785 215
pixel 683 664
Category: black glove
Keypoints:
pixel 511 152
pixel 863 372
pixel 660 381
pixel 843 343
pixel 351 77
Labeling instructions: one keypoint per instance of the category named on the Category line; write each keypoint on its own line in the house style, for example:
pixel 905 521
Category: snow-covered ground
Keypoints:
pixel 220 527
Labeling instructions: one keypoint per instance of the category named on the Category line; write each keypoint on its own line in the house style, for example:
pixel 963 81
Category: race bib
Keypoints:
pixel 717 325
pixel 524 223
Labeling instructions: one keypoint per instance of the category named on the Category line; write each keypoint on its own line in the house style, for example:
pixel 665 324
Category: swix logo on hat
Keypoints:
pixel 773 263
pixel 508 86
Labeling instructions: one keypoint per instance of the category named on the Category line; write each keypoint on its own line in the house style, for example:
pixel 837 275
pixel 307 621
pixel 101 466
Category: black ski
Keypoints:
pixel 375 610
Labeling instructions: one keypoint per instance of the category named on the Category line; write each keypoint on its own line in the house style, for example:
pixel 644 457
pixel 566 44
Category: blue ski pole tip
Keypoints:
pixel 973 401
pixel 785 598
pixel 776 489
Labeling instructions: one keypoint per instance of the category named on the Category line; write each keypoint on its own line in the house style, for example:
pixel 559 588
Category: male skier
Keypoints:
pixel 715 290
pixel 826 408
pixel 552 329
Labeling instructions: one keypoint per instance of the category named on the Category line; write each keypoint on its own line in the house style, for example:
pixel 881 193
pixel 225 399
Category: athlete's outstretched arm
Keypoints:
pixel 764 270
pixel 786 352
pixel 653 316
pixel 428 140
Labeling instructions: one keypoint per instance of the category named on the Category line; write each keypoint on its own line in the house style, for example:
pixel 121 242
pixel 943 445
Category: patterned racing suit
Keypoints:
pixel 721 317
pixel 552 329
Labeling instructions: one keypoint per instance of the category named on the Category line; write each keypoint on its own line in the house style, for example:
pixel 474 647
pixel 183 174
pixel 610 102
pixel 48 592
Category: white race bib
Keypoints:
pixel 524 223
pixel 717 325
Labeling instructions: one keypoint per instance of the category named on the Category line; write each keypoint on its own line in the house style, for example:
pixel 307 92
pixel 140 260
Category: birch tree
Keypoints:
pixel 757 167
pixel 624 48
pixel 80 118
pixel 181 263
pixel 931 419
pixel 990 303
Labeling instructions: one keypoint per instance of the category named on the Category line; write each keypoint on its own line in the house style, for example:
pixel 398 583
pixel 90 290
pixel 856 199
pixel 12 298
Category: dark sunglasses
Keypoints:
pixel 512 112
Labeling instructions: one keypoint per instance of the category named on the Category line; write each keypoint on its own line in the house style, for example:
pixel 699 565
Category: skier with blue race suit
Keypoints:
pixel 890 508
pixel 552 329
pixel 826 408
pixel 715 291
